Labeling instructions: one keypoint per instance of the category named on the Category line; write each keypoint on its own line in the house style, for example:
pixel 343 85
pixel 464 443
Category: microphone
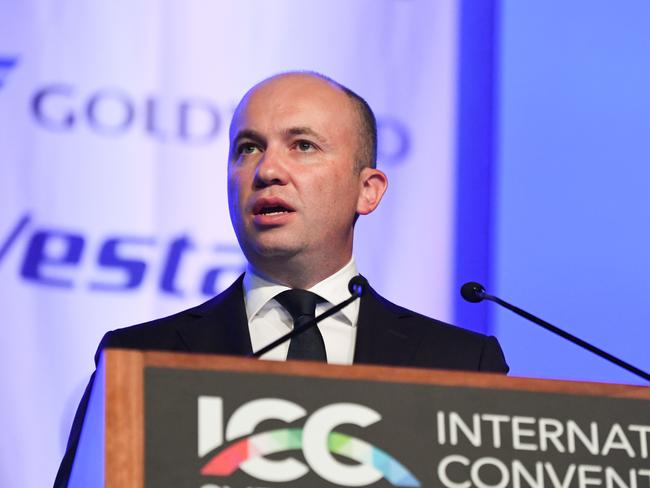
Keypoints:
pixel 357 287
pixel 475 292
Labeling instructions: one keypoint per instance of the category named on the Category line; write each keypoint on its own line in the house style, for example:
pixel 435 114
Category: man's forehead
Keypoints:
pixel 298 94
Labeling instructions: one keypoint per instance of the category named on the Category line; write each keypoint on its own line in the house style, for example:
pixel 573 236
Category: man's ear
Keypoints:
pixel 373 184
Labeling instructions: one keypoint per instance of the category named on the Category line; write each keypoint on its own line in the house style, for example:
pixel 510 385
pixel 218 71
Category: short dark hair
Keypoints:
pixel 366 156
pixel 367 150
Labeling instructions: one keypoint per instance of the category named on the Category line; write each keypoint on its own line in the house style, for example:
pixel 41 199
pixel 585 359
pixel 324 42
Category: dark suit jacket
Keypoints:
pixel 387 335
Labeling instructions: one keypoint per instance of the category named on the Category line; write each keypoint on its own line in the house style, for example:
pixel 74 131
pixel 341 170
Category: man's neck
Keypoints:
pixel 293 275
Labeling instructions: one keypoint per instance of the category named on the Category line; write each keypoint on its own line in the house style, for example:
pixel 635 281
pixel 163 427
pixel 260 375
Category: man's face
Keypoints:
pixel 292 188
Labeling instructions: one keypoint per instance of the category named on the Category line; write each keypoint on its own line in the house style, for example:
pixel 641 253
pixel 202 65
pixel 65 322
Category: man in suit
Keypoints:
pixel 301 170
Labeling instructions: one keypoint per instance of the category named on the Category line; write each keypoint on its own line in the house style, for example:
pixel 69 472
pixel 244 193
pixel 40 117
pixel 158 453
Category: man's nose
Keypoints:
pixel 271 169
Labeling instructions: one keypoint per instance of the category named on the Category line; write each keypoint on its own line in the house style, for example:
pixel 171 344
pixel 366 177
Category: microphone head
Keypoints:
pixel 473 292
pixel 358 285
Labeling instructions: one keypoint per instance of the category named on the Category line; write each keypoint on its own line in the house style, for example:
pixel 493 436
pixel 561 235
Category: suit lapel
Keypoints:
pixel 383 337
pixel 219 326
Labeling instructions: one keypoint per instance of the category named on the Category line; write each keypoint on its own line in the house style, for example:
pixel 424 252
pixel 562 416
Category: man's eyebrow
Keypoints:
pixel 249 134
pixel 258 138
pixel 305 131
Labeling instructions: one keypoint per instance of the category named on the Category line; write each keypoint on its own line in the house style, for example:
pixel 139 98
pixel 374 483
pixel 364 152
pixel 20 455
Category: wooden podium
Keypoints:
pixel 163 419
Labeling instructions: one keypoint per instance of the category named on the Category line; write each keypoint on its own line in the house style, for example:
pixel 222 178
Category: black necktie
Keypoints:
pixel 301 304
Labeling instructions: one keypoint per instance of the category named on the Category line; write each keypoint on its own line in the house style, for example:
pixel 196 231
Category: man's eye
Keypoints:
pixel 246 148
pixel 304 146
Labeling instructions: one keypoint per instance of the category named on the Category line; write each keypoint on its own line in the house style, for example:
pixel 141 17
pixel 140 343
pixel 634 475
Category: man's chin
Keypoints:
pixel 275 250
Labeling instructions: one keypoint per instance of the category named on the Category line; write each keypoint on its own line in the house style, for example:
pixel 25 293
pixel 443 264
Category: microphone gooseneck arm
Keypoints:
pixel 357 287
pixel 475 292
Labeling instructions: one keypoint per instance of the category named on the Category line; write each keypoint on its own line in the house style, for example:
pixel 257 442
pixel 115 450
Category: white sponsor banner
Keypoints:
pixel 113 148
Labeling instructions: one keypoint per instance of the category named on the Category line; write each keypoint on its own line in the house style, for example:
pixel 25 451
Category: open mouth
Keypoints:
pixel 273 210
pixel 270 207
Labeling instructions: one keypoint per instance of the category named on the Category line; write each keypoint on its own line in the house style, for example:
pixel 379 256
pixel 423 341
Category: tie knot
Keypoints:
pixel 298 303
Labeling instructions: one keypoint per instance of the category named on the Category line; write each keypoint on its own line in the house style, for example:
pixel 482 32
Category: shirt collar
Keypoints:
pixel 258 291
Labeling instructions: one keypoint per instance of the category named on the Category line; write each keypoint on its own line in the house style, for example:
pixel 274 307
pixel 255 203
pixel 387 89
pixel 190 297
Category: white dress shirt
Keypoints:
pixel 268 320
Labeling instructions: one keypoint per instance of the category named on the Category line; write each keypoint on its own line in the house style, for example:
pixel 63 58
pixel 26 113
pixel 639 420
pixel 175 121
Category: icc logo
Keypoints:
pixel 246 450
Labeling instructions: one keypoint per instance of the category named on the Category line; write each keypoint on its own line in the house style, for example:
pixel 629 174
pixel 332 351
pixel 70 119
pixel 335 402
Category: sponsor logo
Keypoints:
pixel 6 65
pixel 239 447
pixel 61 107
pixel 63 258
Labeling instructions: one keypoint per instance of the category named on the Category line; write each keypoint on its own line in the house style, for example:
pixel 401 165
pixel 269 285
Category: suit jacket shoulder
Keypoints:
pixel 214 327
pixel 393 335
